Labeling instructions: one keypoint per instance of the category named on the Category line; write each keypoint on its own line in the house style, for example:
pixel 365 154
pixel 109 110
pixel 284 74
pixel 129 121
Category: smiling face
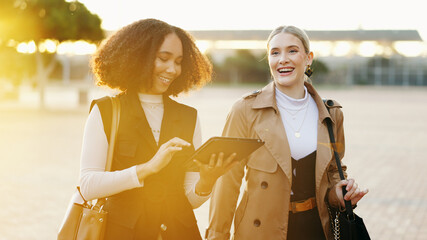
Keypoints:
pixel 288 59
pixel 167 64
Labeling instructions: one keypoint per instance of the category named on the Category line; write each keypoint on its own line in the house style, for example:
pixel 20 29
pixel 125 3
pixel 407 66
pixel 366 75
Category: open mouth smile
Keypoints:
pixel 165 80
pixel 285 70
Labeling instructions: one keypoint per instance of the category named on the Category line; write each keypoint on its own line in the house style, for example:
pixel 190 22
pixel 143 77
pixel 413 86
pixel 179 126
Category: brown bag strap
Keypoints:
pixel 114 128
pixel 113 136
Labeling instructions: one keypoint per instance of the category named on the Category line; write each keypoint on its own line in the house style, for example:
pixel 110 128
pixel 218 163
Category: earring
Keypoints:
pixel 308 71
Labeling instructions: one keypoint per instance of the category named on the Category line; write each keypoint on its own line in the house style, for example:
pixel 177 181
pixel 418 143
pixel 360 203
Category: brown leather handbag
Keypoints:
pixel 87 220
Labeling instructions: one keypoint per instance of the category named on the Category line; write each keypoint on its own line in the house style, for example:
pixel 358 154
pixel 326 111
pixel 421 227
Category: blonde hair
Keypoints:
pixel 299 33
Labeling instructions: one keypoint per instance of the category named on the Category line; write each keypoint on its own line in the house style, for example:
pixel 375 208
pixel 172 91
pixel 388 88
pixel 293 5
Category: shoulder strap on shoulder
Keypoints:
pixel 348 207
pixel 115 119
pixel 105 108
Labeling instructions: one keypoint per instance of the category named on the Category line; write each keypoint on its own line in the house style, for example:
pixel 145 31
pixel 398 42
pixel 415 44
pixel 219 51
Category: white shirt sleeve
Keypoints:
pixel 191 178
pixel 95 182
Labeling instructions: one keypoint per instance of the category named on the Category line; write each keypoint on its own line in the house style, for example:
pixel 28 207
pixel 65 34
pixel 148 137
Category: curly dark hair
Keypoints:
pixel 126 59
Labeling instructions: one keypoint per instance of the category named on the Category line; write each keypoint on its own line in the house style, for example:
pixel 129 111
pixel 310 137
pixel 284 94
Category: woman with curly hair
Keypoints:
pixel 153 185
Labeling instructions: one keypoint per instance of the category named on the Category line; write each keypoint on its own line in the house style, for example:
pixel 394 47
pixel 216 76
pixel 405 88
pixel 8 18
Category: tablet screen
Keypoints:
pixel 243 147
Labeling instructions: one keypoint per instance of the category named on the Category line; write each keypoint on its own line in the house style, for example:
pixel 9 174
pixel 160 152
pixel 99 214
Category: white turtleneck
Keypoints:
pixel 300 118
pixel 95 182
pixel 153 109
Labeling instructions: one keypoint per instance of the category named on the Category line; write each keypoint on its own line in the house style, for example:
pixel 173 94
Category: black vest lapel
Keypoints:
pixel 139 119
pixel 171 121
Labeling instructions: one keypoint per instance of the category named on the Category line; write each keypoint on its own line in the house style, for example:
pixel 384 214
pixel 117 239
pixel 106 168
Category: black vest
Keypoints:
pixel 307 224
pixel 162 199
pixel 304 182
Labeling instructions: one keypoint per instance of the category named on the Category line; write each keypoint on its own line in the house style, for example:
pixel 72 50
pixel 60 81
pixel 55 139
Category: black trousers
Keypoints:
pixel 305 225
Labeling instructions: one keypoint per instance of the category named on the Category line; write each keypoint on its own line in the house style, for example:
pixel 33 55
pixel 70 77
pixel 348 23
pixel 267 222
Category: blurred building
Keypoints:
pixel 374 57
pixel 379 57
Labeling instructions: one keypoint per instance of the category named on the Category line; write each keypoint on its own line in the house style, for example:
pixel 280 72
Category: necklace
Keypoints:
pixel 296 111
pixel 297 131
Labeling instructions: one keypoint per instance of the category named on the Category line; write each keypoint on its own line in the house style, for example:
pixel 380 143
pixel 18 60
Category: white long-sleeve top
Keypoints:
pixel 299 115
pixel 95 182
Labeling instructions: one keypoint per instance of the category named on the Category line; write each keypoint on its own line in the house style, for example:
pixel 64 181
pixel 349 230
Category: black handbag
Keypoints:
pixel 345 225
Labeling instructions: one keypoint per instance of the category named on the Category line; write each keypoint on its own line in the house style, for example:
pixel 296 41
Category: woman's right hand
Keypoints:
pixel 162 158
pixel 354 193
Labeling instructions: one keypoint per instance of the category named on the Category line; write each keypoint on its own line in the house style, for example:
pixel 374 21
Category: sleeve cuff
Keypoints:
pixel 135 179
pixel 196 200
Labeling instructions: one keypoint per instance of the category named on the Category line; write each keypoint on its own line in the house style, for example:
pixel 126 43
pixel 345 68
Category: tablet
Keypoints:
pixel 243 147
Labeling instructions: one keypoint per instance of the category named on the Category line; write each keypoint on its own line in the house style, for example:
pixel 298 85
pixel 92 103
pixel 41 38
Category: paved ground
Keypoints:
pixel 386 136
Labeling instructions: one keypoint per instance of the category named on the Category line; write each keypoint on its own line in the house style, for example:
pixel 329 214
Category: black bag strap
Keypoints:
pixel 348 207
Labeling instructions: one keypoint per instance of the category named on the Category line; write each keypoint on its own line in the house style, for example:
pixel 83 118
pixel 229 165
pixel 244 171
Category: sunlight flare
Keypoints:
pixel 411 49
pixel 76 48
pixel 27 47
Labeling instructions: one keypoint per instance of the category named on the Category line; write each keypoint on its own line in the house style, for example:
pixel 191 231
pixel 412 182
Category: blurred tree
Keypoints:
pixel 245 67
pixel 15 66
pixel 320 71
pixel 39 20
pixel 319 67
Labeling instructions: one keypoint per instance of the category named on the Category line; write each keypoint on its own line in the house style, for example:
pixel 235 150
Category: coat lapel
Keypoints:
pixel 270 128
pixel 324 154
pixel 324 150
pixel 274 135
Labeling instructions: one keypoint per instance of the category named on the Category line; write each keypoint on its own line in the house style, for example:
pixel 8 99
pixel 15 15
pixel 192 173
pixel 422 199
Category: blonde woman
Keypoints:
pixel 293 177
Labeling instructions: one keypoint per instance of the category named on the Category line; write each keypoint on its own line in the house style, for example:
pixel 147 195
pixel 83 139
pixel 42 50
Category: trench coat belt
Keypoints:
pixel 303 205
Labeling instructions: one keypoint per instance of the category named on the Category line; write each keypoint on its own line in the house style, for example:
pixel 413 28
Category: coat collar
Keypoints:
pixel 323 111
pixel 281 152
pixel 267 99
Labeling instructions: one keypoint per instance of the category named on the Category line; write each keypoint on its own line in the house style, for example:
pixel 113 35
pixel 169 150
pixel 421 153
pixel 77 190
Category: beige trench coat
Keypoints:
pixel 264 208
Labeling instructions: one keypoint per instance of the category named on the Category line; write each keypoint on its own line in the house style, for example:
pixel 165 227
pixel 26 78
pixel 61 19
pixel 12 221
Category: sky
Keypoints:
pixel 266 14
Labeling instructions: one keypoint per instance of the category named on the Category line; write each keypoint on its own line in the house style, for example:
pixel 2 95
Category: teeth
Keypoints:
pixel 165 79
pixel 283 70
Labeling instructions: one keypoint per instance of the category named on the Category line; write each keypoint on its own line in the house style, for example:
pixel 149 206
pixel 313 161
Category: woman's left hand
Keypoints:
pixel 354 193
pixel 210 172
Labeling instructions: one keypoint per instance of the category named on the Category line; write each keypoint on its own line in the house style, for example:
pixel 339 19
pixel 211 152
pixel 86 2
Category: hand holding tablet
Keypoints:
pixel 243 147
pixel 217 156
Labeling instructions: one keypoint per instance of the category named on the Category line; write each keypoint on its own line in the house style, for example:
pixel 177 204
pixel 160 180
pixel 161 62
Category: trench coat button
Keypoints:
pixel 163 227
pixel 330 103
pixel 257 223
pixel 264 185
